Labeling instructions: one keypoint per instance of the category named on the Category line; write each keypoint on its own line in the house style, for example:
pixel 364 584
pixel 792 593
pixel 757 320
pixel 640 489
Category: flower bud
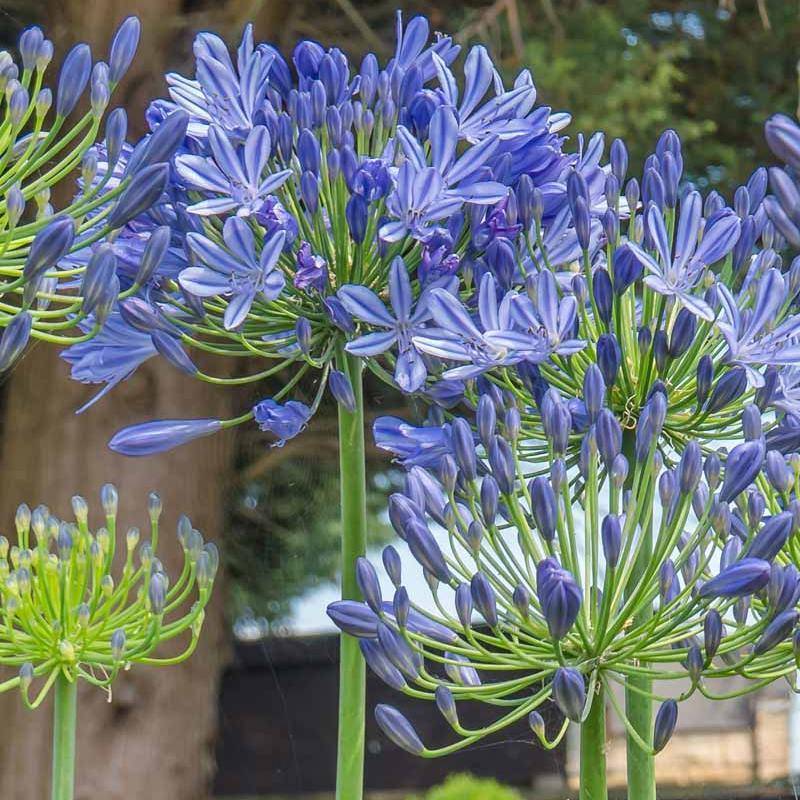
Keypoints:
pixel 367 579
pixel 446 704
pixel 354 618
pixel 664 726
pixel 484 598
pixel 398 729
pixel 379 663
pixel 569 692
pixel 743 577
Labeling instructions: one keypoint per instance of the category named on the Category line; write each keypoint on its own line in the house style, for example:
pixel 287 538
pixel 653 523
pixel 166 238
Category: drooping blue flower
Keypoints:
pixel 283 420
pixel 414 446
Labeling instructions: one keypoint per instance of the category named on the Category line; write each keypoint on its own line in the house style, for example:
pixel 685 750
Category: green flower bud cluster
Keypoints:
pixel 73 605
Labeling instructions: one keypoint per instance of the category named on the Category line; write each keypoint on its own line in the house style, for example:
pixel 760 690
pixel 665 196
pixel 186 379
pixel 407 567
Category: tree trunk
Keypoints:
pixel 155 739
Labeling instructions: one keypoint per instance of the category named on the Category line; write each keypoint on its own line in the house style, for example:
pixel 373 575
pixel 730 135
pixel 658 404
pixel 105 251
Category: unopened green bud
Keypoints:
pixel 64 542
pixel 103 538
pixel 89 167
pixel 26 676
pixel 195 544
pixel 146 555
pixel 43 102
pixel 3 547
pixel 25 558
pixel 110 499
pixel 52 528
pixel 96 554
pixel 154 506
pixel 39 522
pixel 203 570
pixel 14 554
pixel 184 529
pixel 22 520
pixel 83 615
pixel 12 587
pixel 197 624
pixel 107 585
pixel 51 564
pixel 132 538
pixel 11 605
pixel 213 557
pixel 67 650
pixel 80 509
pixel 24 581
pixel 42 199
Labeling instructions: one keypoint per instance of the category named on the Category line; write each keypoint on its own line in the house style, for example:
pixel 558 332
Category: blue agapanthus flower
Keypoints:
pixel 307 192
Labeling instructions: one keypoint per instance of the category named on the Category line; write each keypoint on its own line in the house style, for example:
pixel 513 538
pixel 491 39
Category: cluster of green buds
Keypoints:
pixel 64 613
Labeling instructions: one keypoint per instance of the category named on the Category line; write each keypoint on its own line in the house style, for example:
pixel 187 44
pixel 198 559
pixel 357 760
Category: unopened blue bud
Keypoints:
pixel 609 357
pixel 777 631
pixel 594 391
pixel 690 467
pixel 603 294
pixel 501 461
pixel 14 339
pixel 446 704
pixel 398 651
pixel 161 145
pixel 49 246
pixel 778 472
pixel 741 468
pixel 401 607
pixel 712 633
pixel 116 132
pixel 145 188
pixel 378 662
pixel 490 498
pixel 569 692
pixel 664 726
pixel 354 618
pixel 426 551
pixel 123 48
pixel 484 599
pixel 683 333
pixel 728 389
pixel 367 579
pixel 398 729
pixel 694 663
pixel 342 390
pixel 72 79
pixel 486 419
pixel 543 506
pixel 773 535
pixel 743 577
pixel 611 534
pixel 464 449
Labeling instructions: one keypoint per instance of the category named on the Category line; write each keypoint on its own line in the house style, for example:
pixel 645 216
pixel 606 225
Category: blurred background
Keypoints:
pixel 252 715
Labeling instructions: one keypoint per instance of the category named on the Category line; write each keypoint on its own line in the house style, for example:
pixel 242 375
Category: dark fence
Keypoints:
pixel 278 729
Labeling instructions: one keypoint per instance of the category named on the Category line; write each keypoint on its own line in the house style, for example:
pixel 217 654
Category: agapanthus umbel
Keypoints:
pixel 534 594
pixel 57 270
pixel 76 607
pixel 316 206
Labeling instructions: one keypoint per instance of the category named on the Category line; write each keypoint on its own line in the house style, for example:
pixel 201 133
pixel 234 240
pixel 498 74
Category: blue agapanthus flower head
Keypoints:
pixel 355 198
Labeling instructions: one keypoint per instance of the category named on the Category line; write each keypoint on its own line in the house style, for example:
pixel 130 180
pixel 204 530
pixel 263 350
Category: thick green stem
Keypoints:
pixel 638 706
pixel 593 751
pixel 65 712
pixel 352 671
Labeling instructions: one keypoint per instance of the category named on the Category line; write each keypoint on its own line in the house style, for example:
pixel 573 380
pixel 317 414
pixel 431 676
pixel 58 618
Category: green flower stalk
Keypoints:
pixel 67 618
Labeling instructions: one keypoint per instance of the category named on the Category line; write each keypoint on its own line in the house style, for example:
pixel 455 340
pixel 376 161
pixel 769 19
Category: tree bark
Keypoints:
pixel 155 739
